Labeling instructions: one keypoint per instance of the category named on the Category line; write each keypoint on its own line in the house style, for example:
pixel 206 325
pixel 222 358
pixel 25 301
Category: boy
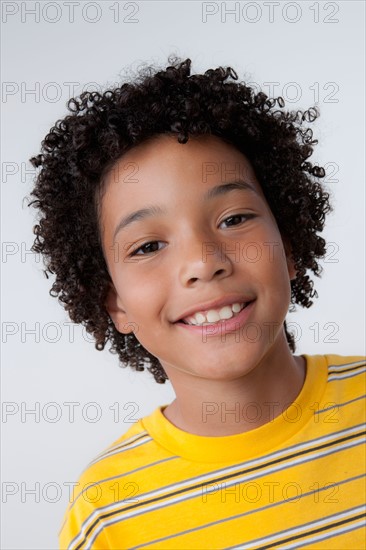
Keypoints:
pixel 180 215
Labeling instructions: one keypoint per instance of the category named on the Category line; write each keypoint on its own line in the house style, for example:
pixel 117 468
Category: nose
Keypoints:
pixel 202 258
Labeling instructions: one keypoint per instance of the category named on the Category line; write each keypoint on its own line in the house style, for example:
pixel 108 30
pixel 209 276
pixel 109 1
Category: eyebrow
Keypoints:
pixel 155 210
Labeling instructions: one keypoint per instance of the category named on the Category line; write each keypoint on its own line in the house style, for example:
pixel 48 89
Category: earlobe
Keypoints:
pixel 291 268
pixel 116 312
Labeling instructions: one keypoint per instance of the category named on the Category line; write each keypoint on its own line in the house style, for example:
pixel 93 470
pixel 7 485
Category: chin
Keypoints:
pixel 224 371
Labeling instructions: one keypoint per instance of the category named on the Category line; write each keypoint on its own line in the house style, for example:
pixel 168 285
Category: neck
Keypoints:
pixel 227 407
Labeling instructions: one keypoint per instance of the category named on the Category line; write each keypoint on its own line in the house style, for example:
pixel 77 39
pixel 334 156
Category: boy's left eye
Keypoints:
pixel 236 216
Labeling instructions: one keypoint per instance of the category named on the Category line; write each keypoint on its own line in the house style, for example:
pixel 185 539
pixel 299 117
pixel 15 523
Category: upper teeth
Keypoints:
pixel 214 315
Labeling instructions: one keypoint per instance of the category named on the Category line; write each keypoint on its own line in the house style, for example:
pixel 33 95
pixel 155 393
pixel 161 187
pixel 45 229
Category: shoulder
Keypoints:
pixel 344 379
pixel 338 366
pixel 107 479
pixel 119 457
pixel 348 370
pixel 347 378
pixel 127 446
pixel 342 367
pixel 344 359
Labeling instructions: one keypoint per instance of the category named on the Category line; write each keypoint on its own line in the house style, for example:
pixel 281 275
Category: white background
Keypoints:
pixel 311 52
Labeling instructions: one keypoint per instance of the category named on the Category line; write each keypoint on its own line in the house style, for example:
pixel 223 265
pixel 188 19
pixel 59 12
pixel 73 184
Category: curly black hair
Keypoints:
pixel 81 148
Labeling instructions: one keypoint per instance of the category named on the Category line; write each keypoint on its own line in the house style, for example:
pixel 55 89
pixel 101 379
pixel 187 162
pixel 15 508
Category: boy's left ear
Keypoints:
pixel 289 260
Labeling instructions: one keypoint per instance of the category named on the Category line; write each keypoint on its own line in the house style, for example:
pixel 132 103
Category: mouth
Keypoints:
pixel 214 317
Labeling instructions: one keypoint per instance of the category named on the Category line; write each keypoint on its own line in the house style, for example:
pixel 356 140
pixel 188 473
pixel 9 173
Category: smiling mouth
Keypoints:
pixel 216 322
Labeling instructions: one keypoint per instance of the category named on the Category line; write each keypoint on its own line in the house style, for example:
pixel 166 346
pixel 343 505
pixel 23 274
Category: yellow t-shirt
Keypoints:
pixel 297 481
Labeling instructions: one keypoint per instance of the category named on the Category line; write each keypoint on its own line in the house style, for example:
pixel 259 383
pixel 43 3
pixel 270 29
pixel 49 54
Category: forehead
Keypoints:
pixel 207 159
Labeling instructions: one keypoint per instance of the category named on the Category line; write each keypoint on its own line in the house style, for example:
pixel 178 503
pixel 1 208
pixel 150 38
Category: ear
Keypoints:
pixel 289 260
pixel 115 310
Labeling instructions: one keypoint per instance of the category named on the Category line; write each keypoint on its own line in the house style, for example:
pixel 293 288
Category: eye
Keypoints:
pixel 144 247
pixel 238 217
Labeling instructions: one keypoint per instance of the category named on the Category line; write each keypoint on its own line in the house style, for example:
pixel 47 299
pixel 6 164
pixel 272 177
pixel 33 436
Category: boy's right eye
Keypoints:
pixel 142 247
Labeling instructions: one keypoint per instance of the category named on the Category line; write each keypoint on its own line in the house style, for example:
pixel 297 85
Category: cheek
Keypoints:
pixel 265 253
pixel 268 266
pixel 145 294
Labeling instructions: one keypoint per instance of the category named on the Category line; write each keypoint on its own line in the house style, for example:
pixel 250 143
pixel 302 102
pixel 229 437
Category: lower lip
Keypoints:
pixel 223 326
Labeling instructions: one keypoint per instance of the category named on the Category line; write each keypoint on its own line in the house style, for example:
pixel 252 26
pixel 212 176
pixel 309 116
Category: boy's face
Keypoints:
pixel 202 250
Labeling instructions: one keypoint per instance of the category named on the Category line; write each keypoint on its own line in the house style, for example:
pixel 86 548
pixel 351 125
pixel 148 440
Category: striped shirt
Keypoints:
pixel 297 481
